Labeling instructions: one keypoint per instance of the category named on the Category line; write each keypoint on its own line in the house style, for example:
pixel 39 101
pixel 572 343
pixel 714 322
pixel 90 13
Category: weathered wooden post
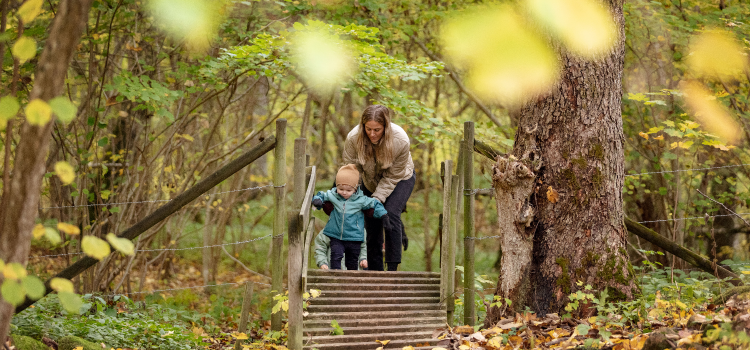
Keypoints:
pixel 469 312
pixel 279 217
pixel 294 283
pixel 446 275
pixel 246 303
pixel 451 302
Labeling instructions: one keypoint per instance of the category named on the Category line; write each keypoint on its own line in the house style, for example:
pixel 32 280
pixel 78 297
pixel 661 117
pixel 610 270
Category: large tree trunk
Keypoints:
pixel 569 143
pixel 26 181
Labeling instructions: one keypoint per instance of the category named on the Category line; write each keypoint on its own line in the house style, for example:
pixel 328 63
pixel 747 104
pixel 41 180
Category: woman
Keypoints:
pixel 380 150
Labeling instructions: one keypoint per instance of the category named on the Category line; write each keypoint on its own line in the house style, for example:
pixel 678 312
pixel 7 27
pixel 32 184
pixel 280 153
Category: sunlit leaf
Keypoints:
pixel 38 231
pixel 24 49
pixel 8 108
pixel 61 285
pixel 322 60
pixel 63 108
pixel 38 112
pixel 716 54
pixel 315 293
pixel 193 21
pixel 712 116
pixel 34 287
pixel 70 301
pixel 65 172
pixel 13 292
pixel 52 235
pixel 29 10
pixel 122 245
pixel 239 336
pixel 586 27
pixel 95 247
pixel 14 271
pixel 506 62
pixel 68 228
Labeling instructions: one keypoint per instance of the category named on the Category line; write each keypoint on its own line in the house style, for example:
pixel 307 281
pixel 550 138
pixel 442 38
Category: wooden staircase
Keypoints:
pixel 402 307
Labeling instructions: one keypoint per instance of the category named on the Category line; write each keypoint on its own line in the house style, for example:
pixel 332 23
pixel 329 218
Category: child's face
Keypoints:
pixel 345 191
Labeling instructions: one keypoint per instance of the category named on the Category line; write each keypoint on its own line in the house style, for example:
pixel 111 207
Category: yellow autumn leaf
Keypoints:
pixel 314 293
pixel 552 195
pixel 712 115
pixel 38 231
pixel 65 172
pixel 716 54
pixel 29 10
pixel 14 271
pixel 61 285
pixel 285 305
pixel 38 112
pixel 746 272
pixel 383 342
pixel 643 134
pixel 241 336
pixel 68 228
pixel 408 347
pixel 660 137
pixel 24 49
pixel 322 60
pixel 95 247
pixel 122 245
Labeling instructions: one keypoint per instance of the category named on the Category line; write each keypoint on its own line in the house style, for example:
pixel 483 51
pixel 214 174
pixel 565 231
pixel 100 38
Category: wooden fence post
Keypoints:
pixel 469 312
pixel 451 302
pixel 446 275
pixel 246 303
pixel 296 227
pixel 279 217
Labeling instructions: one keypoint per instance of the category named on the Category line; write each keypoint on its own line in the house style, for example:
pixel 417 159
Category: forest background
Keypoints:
pixel 155 99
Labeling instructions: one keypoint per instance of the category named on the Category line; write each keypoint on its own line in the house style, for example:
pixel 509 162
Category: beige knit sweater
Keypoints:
pixel 381 182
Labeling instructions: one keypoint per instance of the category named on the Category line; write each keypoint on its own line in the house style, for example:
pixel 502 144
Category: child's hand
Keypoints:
pixel 328 207
pixel 324 267
pixel 363 263
pixel 317 202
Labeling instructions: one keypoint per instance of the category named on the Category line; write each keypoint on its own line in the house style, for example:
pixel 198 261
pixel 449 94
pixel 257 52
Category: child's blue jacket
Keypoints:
pixel 347 222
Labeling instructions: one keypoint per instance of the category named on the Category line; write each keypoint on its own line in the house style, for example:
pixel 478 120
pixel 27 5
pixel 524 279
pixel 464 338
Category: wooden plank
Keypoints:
pixel 451 302
pixel 447 167
pixel 469 306
pixel 296 250
pixel 246 303
pixel 309 233
pixel 307 200
pixel 279 217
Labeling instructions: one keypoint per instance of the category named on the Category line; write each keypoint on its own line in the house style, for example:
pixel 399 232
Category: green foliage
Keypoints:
pixel 27 343
pixel 337 330
pixel 71 342
pixel 119 323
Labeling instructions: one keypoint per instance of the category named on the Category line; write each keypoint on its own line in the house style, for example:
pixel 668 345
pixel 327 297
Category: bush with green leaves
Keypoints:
pixel 119 323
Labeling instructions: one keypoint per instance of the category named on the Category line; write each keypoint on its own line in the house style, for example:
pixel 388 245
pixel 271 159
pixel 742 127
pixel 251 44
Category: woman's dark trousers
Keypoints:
pixel 394 205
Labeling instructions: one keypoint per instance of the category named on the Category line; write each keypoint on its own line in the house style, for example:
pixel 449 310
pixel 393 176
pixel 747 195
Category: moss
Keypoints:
pixel 22 342
pixel 565 154
pixel 572 179
pixel 564 279
pixel 581 162
pixel 71 342
pixel 616 295
pixel 598 180
pixel 612 270
pixel 591 259
pixel 597 151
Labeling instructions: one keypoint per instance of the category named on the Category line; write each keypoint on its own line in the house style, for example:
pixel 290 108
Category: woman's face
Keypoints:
pixel 374 131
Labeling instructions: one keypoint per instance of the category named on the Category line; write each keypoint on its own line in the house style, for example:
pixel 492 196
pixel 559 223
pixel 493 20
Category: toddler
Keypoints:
pixel 346 226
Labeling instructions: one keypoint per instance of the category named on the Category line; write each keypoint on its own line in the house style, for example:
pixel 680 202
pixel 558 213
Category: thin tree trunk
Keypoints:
pixel 569 143
pixel 25 185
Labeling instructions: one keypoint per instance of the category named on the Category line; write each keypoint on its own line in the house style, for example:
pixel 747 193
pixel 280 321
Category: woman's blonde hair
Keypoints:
pixel 384 149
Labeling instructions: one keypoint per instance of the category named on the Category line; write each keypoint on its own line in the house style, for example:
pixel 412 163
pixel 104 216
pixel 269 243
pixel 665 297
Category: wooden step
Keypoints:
pixel 339 316
pixel 374 308
pixel 432 292
pixel 325 287
pixel 370 280
pixel 427 321
pixel 373 300
pixel 397 328
pixel 370 337
pixel 368 273
pixel 371 345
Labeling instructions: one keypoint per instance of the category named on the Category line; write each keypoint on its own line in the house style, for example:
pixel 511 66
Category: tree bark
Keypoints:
pixel 570 143
pixel 25 184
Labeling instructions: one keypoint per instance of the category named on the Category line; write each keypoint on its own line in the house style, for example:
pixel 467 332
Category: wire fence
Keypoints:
pixel 191 287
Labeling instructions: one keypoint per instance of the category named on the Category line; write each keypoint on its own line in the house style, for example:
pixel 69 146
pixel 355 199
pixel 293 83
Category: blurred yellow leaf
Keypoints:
pixel 61 285
pixel 712 116
pixel 38 112
pixel 506 62
pixel 52 235
pixel 194 21
pixel 78 348
pixel 29 10
pixel 315 293
pixel 586 27
pixel 716 54
pixel 68 228
pixel 14 271
pixel 324 61
pixel 8 108
pixel 66 174
pixel 383 342
pixel 552 195
pixel 38 231
pixel 643 134
pixel 239 336
pixel 122 245
pixel 408 347
pixel 660 137
pixel 95 247
pixel 24 49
